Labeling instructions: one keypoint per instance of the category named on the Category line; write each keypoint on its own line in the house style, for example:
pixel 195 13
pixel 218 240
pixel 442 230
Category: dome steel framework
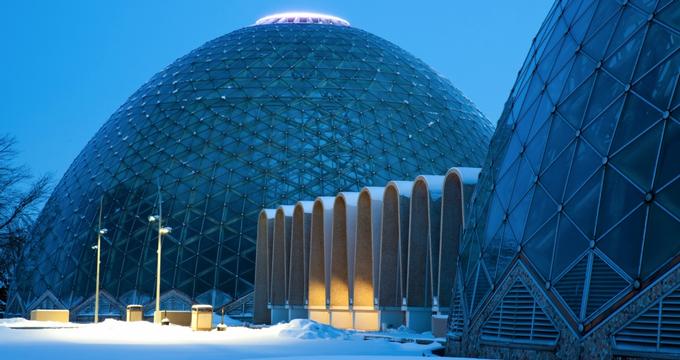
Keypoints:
pixel 581 188
pixel 263 115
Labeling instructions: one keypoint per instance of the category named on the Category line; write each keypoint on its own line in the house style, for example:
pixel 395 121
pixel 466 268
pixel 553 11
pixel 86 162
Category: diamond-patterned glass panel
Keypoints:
pixel 595 113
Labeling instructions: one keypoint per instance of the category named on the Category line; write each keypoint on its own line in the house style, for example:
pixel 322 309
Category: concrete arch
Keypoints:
pixel 423 242
pixel 459 183
pixel 263 260
pixel 423 250
pixel 367 262
pixel 299 253
pixel 367 255
pixel 318 289
pixel 280 259
pixel 394 241
pixel 342 258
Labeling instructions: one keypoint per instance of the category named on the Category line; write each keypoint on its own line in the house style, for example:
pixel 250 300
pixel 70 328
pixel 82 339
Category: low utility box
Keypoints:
pixel 175 317
pixel 134 313
pixel 439 326
pixel 201 317
pixel 50 315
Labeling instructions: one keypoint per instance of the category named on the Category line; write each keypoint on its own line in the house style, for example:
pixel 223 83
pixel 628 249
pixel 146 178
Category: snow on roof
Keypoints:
pixel 302 18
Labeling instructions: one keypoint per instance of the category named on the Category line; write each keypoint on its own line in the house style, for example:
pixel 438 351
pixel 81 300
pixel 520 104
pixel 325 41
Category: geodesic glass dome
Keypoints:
pixel 289 109
pixel 582 181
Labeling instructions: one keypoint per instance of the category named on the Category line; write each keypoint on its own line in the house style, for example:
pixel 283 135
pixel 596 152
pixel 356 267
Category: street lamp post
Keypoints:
pixel 162 230
pixel 100 232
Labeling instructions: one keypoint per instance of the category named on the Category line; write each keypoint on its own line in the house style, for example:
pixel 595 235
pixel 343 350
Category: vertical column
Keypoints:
pixel 342 258
pixel 297 278
pixel 318 290
pixel 265 237
pixel 367 259
pixel 280 259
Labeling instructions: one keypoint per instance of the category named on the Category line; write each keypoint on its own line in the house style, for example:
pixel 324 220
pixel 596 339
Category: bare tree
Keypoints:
pixel 20 196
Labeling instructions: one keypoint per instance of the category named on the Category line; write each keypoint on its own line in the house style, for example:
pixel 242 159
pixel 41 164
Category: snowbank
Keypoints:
pixel 308 329
pixel 111 339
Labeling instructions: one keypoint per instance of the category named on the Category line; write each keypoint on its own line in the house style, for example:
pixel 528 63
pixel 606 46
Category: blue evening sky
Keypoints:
pixel 65 66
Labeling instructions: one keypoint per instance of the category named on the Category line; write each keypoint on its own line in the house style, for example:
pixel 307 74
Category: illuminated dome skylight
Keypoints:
pixel 302 18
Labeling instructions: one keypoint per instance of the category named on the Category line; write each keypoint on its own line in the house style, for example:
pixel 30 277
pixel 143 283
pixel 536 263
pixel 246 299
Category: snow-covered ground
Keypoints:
pixel 299 339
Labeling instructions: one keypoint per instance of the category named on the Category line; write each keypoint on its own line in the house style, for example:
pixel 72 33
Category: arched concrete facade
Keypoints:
pixel 263 260
pixel 367 259
pixel 459 183
pixel 423 250
pixel 394 242
pixel 318 289
pixel 376 259
pixel 367 255
pixel 280 258
pixel 342 258
pixel 394 232
pixel 298 260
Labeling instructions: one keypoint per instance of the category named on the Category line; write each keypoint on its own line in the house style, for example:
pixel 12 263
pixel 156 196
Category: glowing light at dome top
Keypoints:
pixel 302 18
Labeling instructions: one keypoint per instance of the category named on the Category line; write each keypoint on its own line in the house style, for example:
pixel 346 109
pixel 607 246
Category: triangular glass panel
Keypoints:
pixel 646 5
pixel 618 198
pixel 555 177
pixel 536 147
pixel 657 85
pixel 668 167
pixel 556 84
pixel 661 240
pixel 561 134
pixel 606 89
pixel 600 131
pixel 491 251
pixel 573 107
pixel 631 20
pixel 668 12
pixel 542 208
pixel 504 187
pixel 495 217
pixel 622 62
pixel 569 246
pixel 539 248
pixel 637 159
pixel 582 68
pixel 668 197
pixel 518 214
pixel 582 206
pixel 584 164
pixel 522 182
pixel 596 45
pixel 506 254
pixel 659 43
pixel 623 244
pixel 579 27
pixel 483 287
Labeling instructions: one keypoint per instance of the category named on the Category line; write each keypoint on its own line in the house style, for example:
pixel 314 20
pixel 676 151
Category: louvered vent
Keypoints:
pixel 656 330
pixel 519 319
pixel 605 284
pixel 570 286
pixel 456 317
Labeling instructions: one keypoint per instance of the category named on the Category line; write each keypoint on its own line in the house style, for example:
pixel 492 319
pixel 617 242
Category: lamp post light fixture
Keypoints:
pixel 100 232
pixel 162 230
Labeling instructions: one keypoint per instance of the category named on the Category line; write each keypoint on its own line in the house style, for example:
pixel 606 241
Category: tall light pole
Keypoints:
pixel 100 232
pixel 161 231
